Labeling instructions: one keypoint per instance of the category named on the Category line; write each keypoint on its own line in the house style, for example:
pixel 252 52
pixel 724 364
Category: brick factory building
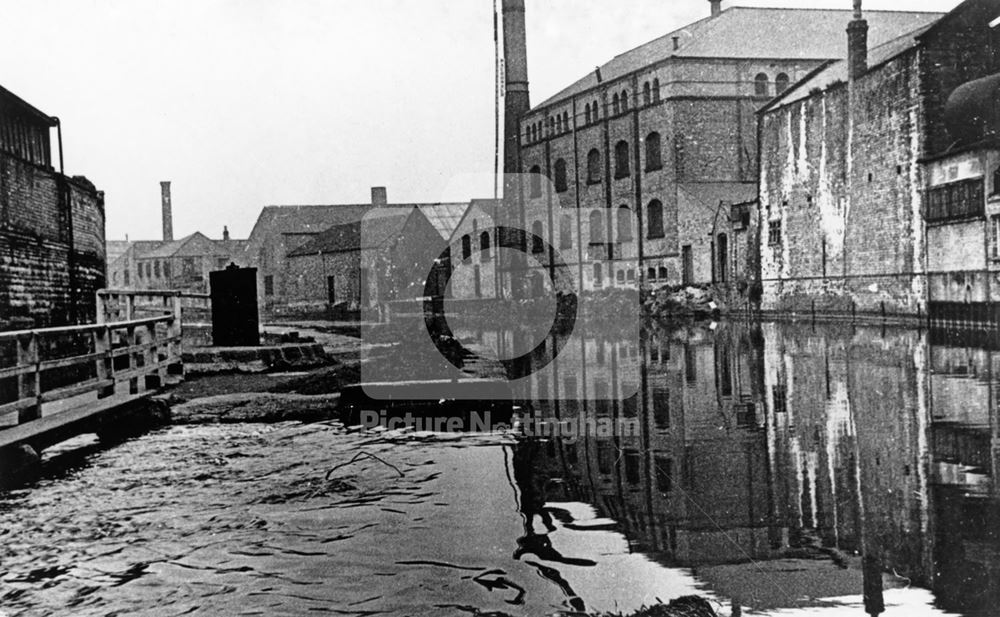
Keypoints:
pixel 646 167
pixel 169 264
pixel 52 251
pixel 287 286
pixel 879 187
pixel 363 264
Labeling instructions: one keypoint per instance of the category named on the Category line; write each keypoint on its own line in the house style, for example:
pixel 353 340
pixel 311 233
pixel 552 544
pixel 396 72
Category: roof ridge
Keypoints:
pixel 814 10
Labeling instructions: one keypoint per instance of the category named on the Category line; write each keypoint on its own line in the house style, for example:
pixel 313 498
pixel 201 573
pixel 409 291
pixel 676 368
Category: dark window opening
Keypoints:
pixel 536 181
pixel 593 166
pixel 760 84
pixel 484 246
pixel 466 247
pixel 621 160
pixel 654 219
pixel 654 159
pixel 560 179
pixel 537 237
pixel 781 83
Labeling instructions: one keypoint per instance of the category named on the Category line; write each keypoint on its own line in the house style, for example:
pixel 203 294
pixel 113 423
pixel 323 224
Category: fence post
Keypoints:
pixel 175 332
pixel 29 384
pixel 129 307
pixel 102 308
pixel 105 362
pixel 131 339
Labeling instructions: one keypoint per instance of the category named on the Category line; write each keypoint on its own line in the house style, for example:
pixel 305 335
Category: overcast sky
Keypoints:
pixel 244 103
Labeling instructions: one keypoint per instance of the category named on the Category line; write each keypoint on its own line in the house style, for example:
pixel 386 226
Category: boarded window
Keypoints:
pixel 594 166
pixel 597 227
pixel 536 181
pixel 624 224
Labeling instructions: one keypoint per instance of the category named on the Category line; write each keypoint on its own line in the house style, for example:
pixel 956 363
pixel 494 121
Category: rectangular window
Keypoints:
pixel 956 200
pixel 687 265
pixel 995 236
pixel 127 278
pixel 664 474
pixel 632 464
pixel 774 232
pixel 780 394
pixel 269 285
pixel 156 269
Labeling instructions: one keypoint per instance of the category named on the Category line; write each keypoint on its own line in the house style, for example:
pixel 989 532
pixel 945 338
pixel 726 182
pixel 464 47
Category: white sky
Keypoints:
pixel 244 103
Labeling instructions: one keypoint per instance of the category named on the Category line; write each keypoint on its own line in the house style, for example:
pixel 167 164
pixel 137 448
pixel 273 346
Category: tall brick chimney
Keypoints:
pixel 857 44
pixel 225 232
pixel 516 101
pixel 380 198
pixel 716 7
pixel 168 212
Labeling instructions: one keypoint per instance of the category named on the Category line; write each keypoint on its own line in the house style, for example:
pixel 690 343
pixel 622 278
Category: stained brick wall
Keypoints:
pixel 52 253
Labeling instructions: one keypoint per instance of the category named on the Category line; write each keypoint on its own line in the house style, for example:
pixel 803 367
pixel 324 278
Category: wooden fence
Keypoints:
pixel 68 365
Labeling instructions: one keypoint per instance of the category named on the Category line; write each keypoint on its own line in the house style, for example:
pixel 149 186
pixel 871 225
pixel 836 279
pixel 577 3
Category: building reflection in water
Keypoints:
pixel 864 457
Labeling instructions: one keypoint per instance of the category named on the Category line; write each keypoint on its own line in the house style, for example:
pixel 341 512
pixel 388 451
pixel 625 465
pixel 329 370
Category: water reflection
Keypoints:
pixel 784 464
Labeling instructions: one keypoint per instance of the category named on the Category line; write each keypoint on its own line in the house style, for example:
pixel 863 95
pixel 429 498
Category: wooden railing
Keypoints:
pixel 128 304
pixel 62 365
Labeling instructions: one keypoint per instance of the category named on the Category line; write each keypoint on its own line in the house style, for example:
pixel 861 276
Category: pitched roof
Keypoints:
pixel 444 217
pixel 376 227
pixel 751 32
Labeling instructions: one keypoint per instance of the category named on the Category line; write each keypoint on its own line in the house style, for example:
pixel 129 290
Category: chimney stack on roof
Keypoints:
pixel 716 7
pixel 380 198
pixel 225 232
pixel 167 211
pixel 857 44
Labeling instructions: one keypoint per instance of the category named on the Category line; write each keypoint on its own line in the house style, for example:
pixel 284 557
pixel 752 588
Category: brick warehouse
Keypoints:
pixel 644 163
pixel 870 199
pixel 52 250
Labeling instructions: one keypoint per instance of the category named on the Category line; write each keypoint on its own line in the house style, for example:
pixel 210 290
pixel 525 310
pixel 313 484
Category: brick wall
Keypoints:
pixel 52 254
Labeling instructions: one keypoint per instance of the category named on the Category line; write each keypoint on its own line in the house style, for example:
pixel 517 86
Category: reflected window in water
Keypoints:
pixel 630 406
pixel 664 473
pixel 606 457
pixel 632 461
pixel 690 364
pixel 780 394
pixel 661 407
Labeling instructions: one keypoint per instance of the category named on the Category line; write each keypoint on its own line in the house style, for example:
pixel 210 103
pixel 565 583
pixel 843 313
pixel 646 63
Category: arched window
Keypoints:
pixel 656 90
pixel 593 166
pixel 760 84
pixel 630 275
pixel 566 121
pixel 620 276
pixel 566 232
pixel 646 94
pixel 466 246
pixel 536 181
pixel 537 237
pixel 559 126
pixel 621 159
pixel 663 273
pixel 654 158
pixel 780 83
pixel 616 104
pixel 560 179
pixel 651 274
pixel 624 224
pixel 624 100
pixel 586 113
pixel 598 278
pixel 654 219
pixel 597 115
pixel 484 246
pixel 597 227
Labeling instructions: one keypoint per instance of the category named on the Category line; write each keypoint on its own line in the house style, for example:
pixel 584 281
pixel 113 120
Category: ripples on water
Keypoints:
pixel 791 469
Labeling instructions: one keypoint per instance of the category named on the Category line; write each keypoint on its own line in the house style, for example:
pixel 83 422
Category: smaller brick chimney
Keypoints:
pixel 225 232
pixel 167 211
pixel 857 44
pixel 716 7
pixel 380 198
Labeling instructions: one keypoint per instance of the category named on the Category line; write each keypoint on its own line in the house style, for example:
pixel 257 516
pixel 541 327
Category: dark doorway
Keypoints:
pixel 723 257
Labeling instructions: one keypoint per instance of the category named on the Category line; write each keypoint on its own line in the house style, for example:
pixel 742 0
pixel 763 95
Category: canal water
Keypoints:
pixel 787 469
